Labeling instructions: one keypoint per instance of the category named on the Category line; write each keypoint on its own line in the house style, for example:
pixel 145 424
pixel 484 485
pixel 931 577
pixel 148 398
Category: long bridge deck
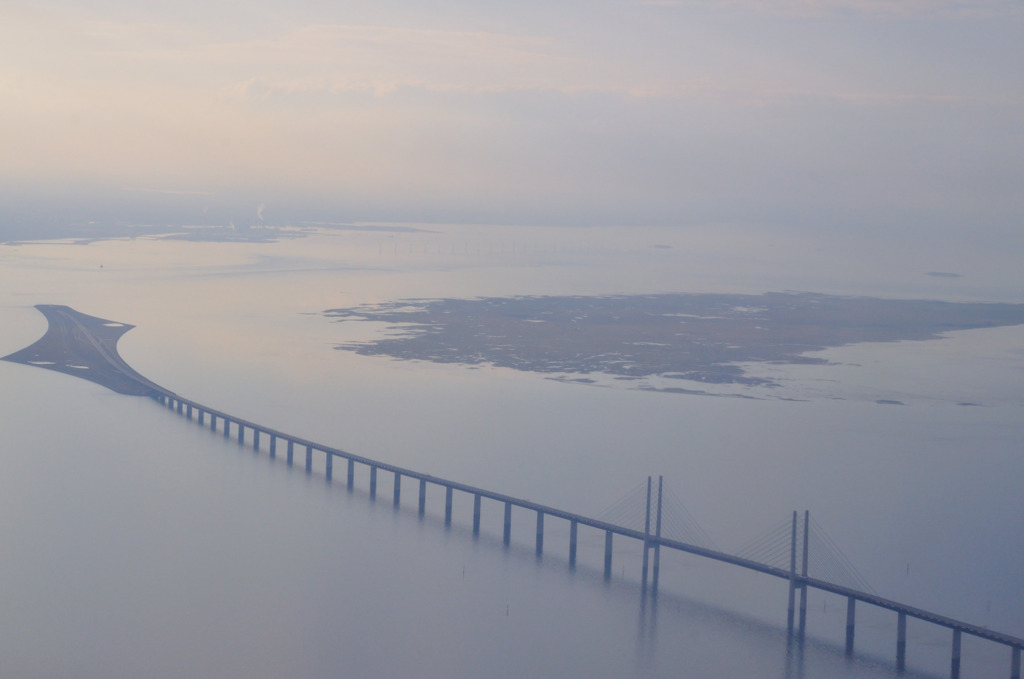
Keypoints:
pixel 86 346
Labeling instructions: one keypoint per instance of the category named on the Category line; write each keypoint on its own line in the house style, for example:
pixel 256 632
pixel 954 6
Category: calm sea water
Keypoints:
pixel 138 545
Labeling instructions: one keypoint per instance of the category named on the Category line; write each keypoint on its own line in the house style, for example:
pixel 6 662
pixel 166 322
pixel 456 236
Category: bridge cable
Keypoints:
pixel 773 547
pixel 826 557
pixel 678 524
pixel 629 511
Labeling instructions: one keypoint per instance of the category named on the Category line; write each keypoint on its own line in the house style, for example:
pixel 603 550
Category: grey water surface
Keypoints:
pixel 138 544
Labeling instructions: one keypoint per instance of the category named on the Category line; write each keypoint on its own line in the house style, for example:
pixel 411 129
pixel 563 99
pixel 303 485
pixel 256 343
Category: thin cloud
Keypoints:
pixel 878 8
pixel 172 192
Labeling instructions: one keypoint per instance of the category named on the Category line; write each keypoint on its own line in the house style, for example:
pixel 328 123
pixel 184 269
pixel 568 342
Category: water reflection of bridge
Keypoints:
pixel 85 346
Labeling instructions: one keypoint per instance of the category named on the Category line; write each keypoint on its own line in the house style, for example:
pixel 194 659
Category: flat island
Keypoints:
pixel 702 338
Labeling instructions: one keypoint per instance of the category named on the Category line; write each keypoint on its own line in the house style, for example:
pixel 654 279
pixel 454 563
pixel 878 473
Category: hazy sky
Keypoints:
pixel 799 111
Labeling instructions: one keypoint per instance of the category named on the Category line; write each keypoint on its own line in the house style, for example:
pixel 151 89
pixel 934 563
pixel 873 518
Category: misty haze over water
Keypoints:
pixel 769 251
pixel 143 545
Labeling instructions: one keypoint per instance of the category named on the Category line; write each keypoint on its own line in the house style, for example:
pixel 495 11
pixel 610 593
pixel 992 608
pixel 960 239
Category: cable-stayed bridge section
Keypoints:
pixel 86 346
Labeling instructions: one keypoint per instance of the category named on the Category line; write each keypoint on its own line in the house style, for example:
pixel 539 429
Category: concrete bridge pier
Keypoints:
pixel 608 555
pixel 202 417
pixel 351 474
pixel 791 612
pixel 540 533
pixel 423 497
pixel 447 505
pixel 188 412
pixel 255 439
pixel 291 452
pixel 506 537
pixel 901 642
pixel 851 614
pixel 227 427
pixel 213 422
pixel 647 539
pixel 398 490
pixel 241 432
pixel 574 528
pixel 309 459
pixel 373 482
pixel 178 407
pixel 657 545
pixel 476 514
pixel 954 663
pixel 329 470
pixel 803 575
pixel 1015 663
pixel 273 446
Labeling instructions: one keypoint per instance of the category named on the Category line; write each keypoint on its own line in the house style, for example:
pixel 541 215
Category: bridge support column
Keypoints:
pixel 423 497
pixel 273 446
pixel 241 433
pixel 1015 663
pixel 790 613
pixel 607 555
pixel 851 613
pixel 213 422
pixel 291 452
pixel 803 575
pixel 202 417
pixel 398 489
pixel 954 663
pixel 657 544
pixel 540 533
pixel 901 642
pixel 647 539
pixel 447 505
pixel 476 514
pixel 227 427
pixel 351 474
pixel 574 528
pixel 329 470
pixel 255 439
pixel 309 459
pixel 188 411
pixel 506 537
pixel 178 407
pixel 373 482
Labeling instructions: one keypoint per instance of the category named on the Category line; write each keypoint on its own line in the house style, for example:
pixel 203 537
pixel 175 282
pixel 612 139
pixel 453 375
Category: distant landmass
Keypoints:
pixel 14 232
pixel 704 338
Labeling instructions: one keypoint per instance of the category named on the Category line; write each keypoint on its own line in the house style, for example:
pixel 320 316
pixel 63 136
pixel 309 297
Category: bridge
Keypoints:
pixel 86 346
